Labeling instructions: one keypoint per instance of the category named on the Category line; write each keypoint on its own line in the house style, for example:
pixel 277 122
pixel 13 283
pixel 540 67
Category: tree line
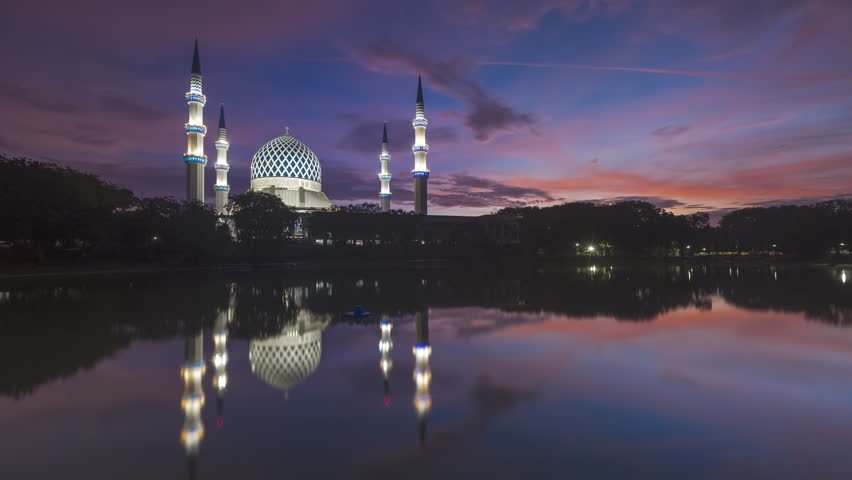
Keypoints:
pixel 635 228
pixel 48 212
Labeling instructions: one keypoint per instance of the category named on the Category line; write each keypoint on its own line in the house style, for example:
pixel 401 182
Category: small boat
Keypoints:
pixel 358 312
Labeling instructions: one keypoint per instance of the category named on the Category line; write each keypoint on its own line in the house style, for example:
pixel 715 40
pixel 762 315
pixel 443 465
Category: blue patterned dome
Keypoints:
pixel 286 157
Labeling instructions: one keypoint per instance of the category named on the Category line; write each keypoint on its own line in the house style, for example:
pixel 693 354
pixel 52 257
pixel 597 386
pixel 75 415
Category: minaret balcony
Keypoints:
pixel 190 128
pixel 420 122
pixel 385 156
pixel 221 166
pixel 420 173
pixel 192 158
pixel 222 144
pixel 384 195
pixel 385 176
pixel 420 148
pixel 221 188
pixel 196 97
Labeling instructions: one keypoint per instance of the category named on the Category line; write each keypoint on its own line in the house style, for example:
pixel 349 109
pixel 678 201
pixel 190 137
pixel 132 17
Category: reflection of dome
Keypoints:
pixel 288 169
pixel 286 157
pixel 292 356
pixel 287 359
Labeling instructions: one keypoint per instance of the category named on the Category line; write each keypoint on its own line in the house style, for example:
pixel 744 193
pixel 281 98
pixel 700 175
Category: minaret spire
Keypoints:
pixel 196 61
pixel 221 188
pixel 194 157
pixel 420 149
pixel 384 174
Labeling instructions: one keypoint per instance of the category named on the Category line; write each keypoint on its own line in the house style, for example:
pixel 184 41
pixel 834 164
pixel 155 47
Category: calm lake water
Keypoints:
pixel 591 372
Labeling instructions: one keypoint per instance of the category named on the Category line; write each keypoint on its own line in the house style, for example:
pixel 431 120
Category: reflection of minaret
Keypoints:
pixel 193 398
pixel 220 355
pixel 422 374
pixel 385 347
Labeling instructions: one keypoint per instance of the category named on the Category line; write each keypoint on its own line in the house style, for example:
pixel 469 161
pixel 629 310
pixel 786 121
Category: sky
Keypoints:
pixel 689 104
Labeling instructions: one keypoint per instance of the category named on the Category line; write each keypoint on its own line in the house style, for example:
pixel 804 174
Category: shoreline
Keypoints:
pixel 24 272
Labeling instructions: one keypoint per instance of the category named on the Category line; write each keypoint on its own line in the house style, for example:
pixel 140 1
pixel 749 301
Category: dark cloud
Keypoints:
pixel 800 200
pixel 670 131
pixel 487 114
pixel 470 191
pixel 365 136
pixel 123 107
pixel 658 202
pixel 36 99
pixel 343 182
pixel 92 141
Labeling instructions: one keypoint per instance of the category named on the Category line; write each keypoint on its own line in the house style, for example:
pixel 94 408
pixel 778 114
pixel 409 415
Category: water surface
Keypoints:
pixel 590 372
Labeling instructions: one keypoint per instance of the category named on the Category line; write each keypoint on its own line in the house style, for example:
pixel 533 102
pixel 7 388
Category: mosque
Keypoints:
pixel 284 166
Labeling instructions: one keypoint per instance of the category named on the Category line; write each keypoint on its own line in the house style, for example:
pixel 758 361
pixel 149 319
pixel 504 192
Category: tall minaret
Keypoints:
pixel 420 149
pixel 193 398
pixel 422 374
pixel 221 165
pixel 385 175
pixel 195 130
pixel 385 347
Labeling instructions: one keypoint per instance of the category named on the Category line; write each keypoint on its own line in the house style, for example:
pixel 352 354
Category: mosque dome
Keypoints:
pixel 288 169
pixel 286 156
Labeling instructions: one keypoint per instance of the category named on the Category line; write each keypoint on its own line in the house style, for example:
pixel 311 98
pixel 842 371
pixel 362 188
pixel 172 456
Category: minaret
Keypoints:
pixel 385 175
pixel 422 374
pixel 385 347
pixel 420 149
pixel 195 131
pixel 221 165
pixel 193 398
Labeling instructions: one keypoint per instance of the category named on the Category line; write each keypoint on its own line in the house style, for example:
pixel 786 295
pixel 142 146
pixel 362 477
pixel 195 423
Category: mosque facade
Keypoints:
pixel 284 166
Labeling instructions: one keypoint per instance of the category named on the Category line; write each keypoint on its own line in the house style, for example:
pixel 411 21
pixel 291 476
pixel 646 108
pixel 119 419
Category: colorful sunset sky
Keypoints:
pixel 693 105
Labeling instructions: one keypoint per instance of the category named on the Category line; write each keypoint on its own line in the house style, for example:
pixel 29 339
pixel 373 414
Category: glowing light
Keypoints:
pixel 843 276
pixel 419 174
pixel 688 247
pixel 590 248
pixel 222 381
pixel 220 360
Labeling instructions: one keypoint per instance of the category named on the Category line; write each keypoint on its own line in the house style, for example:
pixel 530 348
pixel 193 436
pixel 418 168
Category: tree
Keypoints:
pixel 44 206
pixel 262 222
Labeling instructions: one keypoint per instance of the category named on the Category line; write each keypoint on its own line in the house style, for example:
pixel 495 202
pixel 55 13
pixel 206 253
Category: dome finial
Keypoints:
pixel 287 131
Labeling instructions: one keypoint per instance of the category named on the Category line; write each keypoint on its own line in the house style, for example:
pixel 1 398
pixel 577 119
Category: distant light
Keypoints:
pixel 155 238
pixel 577 244
pixel 773 245
pixel 688 247
pixel 591 248
pixel 842 244
pixel 843 276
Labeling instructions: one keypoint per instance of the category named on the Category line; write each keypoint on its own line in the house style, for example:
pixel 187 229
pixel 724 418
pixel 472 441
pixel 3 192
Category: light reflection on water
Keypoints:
pixel 693 372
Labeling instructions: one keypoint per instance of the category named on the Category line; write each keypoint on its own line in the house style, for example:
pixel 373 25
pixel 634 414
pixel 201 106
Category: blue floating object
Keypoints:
pixel 358 312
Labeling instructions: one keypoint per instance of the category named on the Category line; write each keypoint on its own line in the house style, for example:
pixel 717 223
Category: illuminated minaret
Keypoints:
pixel 193 398
pixel 385 175
pixel 220 354
pixel 420 149
pixel 385 347
pixel 195 130
pixel 221 165
pixel 422 374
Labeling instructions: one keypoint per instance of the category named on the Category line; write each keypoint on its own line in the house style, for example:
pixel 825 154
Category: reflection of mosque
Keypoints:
pixel 284 361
